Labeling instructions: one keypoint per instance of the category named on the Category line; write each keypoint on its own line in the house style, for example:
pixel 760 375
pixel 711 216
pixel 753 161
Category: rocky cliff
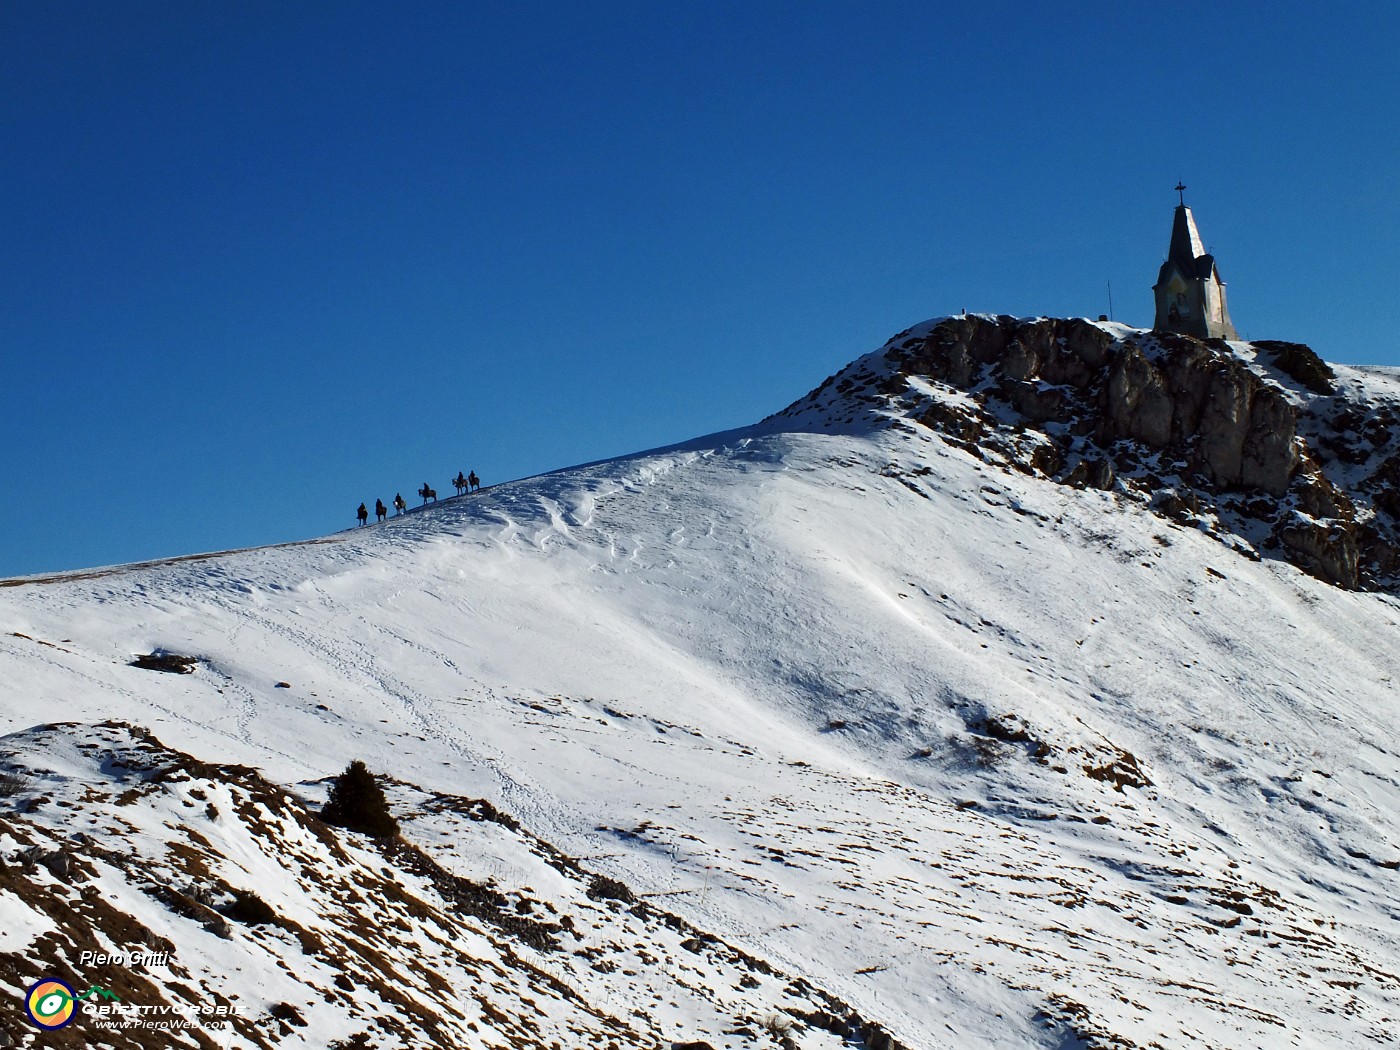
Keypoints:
pixel 1263 445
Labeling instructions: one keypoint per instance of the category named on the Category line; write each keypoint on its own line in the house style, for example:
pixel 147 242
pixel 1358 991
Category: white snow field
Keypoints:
pixel 997 762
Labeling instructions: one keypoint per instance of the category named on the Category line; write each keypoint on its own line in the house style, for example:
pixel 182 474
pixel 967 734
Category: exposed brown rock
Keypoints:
pixel 1186 422
pixel 1300 363
pixel 1328 551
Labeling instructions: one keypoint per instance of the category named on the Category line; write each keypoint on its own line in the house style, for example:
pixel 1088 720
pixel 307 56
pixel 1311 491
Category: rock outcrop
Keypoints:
pixel 1251 442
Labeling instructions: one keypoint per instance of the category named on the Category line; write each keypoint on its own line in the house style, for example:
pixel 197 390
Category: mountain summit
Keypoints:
pixel 1028 684
pixel 1261 444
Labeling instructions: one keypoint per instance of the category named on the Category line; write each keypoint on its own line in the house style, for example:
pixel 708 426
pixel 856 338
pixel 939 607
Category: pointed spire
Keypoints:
pixel 1186 246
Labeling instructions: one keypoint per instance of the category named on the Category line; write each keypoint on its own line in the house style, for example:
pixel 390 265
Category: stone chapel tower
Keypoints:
pixel 1190 294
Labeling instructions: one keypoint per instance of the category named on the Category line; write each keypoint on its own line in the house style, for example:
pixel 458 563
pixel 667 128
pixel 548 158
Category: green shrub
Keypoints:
pixel 249 908
pixel 357 802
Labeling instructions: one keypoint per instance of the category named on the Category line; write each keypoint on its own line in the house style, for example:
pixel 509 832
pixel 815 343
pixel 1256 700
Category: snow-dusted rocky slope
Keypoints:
pixel 865 726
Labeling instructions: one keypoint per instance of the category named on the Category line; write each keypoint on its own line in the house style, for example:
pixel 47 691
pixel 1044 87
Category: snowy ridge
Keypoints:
pixel 993 758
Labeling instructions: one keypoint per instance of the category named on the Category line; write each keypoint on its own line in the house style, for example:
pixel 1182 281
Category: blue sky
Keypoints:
pixel 262 261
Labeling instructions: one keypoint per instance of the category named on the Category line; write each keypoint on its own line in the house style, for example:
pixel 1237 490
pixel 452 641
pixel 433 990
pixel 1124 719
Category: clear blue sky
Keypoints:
pixel 261 261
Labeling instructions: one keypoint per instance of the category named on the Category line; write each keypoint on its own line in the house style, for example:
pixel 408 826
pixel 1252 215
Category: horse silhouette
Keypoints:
pixel 460 482
pixel 427 494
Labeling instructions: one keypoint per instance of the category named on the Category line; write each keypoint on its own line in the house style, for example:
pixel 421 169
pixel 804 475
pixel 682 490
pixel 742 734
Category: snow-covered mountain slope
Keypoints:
pixel 391 942
pixel 870 694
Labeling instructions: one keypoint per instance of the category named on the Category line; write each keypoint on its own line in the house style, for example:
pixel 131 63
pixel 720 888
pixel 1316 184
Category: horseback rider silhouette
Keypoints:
pixel 380 511
pixel 473 482
pixel 362 514
pixel 399 503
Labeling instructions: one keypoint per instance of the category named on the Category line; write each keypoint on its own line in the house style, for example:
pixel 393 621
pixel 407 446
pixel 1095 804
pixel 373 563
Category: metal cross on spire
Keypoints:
pixel 1180 188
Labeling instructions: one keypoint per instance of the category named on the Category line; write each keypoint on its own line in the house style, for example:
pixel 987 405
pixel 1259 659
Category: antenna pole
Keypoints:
pixel 1110 300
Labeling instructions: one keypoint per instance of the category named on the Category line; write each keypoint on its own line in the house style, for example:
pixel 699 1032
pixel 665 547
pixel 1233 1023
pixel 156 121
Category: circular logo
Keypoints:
pixel 50 1003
